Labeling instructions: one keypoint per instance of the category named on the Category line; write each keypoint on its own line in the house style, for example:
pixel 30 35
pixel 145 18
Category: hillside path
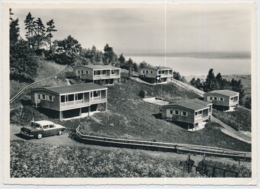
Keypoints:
pixel 232 132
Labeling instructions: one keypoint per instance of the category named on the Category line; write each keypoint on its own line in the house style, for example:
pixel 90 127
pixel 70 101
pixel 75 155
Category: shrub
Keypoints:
pixel 42 160
pixel 142 93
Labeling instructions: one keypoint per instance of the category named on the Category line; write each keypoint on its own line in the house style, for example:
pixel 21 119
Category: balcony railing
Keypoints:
pixel 106 76
pixel 74 104
pixel 197 117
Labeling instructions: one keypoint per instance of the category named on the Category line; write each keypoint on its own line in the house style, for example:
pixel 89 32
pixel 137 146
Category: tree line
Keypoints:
pixel 217 82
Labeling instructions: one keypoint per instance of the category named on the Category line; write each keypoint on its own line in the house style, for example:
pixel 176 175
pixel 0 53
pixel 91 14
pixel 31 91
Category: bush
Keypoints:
pixel 142 93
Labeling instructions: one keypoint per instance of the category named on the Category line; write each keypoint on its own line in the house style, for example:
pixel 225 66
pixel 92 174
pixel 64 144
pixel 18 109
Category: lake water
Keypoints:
pixel 187 66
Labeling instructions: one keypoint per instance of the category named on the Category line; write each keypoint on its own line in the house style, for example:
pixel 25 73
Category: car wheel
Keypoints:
pixel 39 136
pixel 60 132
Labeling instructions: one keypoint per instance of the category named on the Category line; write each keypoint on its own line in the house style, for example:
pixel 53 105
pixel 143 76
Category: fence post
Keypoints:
pixel 224 173
pixel 213 172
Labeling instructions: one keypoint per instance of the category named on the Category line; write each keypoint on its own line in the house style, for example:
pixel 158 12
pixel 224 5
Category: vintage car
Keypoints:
pixel 38 129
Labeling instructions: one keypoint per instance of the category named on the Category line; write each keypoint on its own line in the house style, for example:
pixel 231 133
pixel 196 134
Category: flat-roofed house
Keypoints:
pixel 71 100
pixel 154 75
pixel 223 99
pixel 188 111
pixel 100 74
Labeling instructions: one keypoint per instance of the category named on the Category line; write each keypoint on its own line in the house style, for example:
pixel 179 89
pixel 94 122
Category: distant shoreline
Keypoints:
pixel 205 55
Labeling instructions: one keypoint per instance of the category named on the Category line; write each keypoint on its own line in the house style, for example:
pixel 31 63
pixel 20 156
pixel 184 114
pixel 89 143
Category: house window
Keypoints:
pixel 82 71
pixel 222 99
pixel 210 98
pixel 215 98
pixel 146 71
pixel 170 111
pixel 162 72
pixel 96 93
pixel 79 96
pixel 39 96
pixel 104 72
pixel 151 71
pixel 62 98
pixel 196 113
pixel 184 113
pixel 43 96
pixel 176 112
pixel 71 97
pixel 78 71
pixel 231 98
pixel 159 72
pixel 50 98
pixel 86 72
pixel 143 71
pixel 98 72
pixel 95 73
pixel 200 112
pixel 113 71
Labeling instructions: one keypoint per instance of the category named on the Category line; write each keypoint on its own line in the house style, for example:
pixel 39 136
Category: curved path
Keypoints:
pixel 232 132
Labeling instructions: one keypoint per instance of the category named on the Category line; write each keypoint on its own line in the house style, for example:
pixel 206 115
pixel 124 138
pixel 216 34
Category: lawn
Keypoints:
pixel 42 160
pixel 239 119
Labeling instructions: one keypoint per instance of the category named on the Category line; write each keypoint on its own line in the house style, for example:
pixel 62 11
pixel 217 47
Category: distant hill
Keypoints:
pixel 207 55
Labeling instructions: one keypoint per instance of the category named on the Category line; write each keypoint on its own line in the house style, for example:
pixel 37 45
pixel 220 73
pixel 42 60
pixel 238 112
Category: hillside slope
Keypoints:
pixel 131 117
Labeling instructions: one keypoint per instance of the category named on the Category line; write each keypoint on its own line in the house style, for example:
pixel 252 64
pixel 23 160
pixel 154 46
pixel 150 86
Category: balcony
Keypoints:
pixel 74 104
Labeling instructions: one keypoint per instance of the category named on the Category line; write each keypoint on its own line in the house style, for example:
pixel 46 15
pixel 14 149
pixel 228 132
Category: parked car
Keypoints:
pixel 38 129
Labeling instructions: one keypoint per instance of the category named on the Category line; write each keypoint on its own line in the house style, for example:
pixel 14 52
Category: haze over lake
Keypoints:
pixel 199 64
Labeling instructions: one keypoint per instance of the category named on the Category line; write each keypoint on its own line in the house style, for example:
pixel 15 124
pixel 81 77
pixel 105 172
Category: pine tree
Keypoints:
pixel 30 27
pixel 219 81
pixel 14 31
pixel 210 83
pixel 50 29
pixel 238 87
pixel 39 32
pixel 109 54
pixel 121 58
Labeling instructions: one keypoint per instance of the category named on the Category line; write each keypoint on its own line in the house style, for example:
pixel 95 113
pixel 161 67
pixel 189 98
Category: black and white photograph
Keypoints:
pixel 130 91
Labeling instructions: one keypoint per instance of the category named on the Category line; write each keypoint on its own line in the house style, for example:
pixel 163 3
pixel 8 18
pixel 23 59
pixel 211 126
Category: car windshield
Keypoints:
pixel 35 125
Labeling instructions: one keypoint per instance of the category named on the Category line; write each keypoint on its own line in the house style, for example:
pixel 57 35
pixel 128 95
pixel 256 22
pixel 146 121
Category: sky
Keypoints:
pixel 151 28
